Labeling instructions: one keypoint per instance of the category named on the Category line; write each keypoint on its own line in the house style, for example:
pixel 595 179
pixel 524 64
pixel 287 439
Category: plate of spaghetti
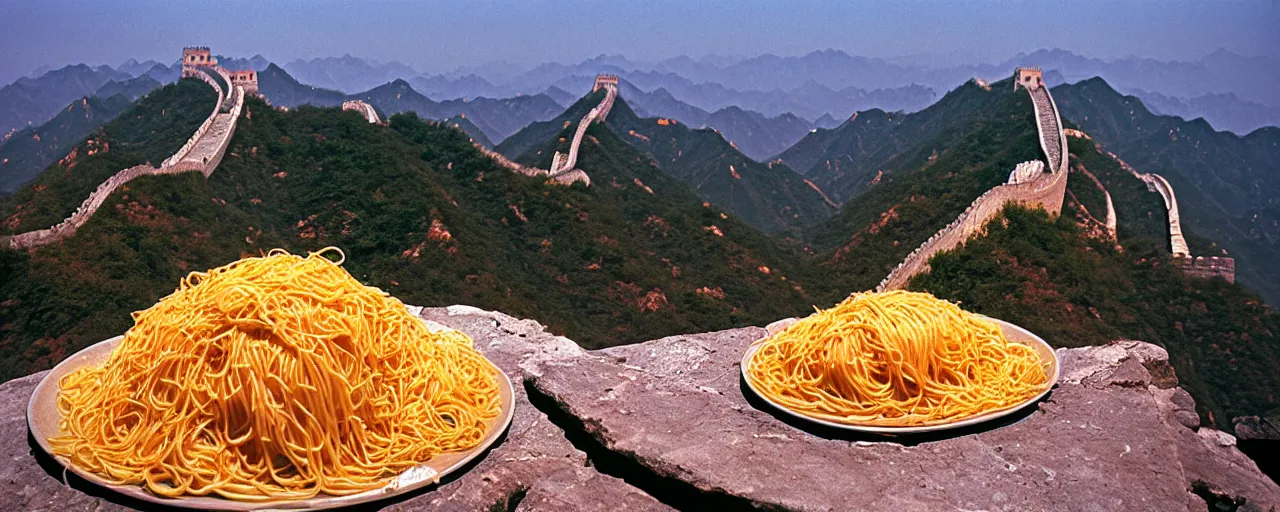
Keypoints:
pixel 272 382
pixel 897 363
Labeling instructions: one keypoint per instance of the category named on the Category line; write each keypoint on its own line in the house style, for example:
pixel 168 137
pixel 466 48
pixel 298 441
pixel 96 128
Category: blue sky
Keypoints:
pixel 439 36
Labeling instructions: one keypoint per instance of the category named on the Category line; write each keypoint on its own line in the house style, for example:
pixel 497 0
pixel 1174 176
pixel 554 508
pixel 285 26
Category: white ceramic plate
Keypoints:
pixel 42 418
pixel 1012 332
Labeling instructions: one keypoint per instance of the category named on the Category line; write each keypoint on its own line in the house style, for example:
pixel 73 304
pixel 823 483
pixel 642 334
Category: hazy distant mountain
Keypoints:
pixel 283 90
pixel 826 122
pixel 563 97
pixel 346 73
pixel 468 86
pixel 499 71
pixel 1255 79
pixel 660 103
pixel 256 62
pixel 834 82
pixel 498 118
pixel 27 153
pixel 495 118
pixel 1223 111
pixel 32 101
pixel 755 135
pixel 131 89
pixel 398 96
pixel 135 68
pixel 810 100
pixel 165 74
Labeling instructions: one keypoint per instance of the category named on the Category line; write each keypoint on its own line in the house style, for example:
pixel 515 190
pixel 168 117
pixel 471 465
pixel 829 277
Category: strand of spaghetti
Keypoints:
pixel 274 377
pixel 895 359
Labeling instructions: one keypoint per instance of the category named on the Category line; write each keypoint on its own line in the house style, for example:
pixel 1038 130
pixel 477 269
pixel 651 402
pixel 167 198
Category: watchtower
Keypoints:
pixel 1032 78
pixel 248 79
pixel 197 56
pixel 194 57
pixel 605 80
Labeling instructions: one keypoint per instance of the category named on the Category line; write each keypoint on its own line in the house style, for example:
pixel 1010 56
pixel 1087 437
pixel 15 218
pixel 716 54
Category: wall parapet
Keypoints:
pixel 562 169
pixel 1202 267
pixel 363 108
pixel 1045 190
pixel 180 162
pixel 597 113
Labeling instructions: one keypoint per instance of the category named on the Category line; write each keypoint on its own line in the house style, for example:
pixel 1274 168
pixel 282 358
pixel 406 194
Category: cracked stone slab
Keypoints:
pixel 534 468
pixel 675 408
pixel 1210 459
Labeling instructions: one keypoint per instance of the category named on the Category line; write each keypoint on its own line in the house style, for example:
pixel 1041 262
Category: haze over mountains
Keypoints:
pixel 821 88
pixel 835 82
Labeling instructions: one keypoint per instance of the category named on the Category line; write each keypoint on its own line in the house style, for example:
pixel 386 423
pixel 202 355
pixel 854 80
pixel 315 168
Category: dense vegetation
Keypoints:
pixel 1227 185
pixel 151 131
pixel 420 213
pixel 771 197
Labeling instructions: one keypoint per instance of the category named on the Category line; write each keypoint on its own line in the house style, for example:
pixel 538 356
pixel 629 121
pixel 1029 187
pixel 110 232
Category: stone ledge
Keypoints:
pixel 665 423
pixel 1106 438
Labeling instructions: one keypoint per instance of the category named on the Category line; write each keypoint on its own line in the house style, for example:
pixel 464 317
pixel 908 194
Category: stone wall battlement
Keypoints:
pixel 1044 189
pixel 1212 266
pixel 201 153
pixel 364 109
pixel 597 113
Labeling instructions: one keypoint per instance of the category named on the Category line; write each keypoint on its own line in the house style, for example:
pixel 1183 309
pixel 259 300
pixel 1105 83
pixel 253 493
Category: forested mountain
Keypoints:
pixel 28 152
pixel 417 210
pixel 1227 186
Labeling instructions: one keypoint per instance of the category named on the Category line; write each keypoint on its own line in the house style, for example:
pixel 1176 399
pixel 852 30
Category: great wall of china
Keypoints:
pixel 364 109
pixel 563 169
pixel 1025 186
pixel 202 152
pixel 1195 266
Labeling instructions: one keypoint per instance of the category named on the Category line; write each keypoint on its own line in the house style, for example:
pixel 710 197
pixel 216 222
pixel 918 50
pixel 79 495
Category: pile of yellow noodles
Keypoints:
pixel 275 377
pixel 895 359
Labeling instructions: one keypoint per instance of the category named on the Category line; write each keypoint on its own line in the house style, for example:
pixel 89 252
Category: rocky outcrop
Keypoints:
pixel 666 424
pixel 1254 427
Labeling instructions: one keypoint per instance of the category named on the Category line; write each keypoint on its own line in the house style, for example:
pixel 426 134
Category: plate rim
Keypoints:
pixel 496 428
pixel 973 420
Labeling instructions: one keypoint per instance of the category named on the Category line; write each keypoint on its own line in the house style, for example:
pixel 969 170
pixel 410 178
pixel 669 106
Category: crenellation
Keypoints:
pixel 1207 267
